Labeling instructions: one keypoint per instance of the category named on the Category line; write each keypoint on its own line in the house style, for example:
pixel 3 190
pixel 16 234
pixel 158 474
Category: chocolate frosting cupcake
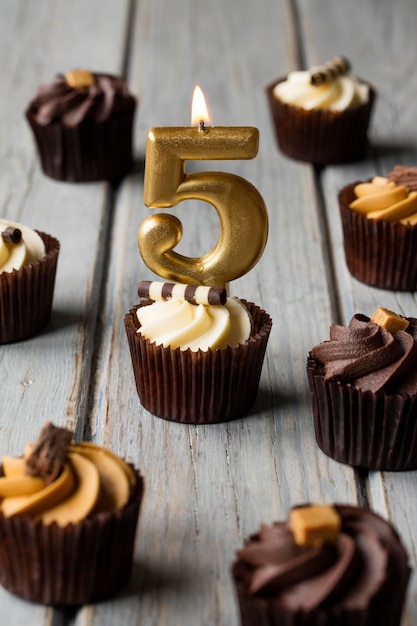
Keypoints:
pixel 363 388
pixel 82 123
pixel 360 577
pixel 370 357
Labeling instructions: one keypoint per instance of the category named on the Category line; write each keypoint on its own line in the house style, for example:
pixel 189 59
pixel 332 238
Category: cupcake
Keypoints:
pixel 322 115
pixel 68 516
pixel 363 388
pixel 28 261
pixel 327 565
pixel 379 220
pixel 82 124
pixel 197 353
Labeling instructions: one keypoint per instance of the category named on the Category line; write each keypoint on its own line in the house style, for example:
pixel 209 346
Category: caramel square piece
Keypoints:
pixel 389 320
pixel 79 78
pixel 313 524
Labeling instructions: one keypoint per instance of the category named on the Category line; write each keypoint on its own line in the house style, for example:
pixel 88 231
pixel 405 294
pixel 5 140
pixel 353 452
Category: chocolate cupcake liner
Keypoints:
pixel 199 387
pixel 77 564
pixel 363 429
pixel 321 136
pixel 88 152
pixel 267 611
pixel 378 253
pixel 26 295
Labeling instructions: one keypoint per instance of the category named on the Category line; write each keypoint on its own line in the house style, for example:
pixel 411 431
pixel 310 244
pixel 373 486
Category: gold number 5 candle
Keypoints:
pixel 240 207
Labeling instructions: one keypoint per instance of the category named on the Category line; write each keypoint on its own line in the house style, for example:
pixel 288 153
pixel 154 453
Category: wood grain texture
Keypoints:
pixel 207 488
pixel 47 377
pixel 376 54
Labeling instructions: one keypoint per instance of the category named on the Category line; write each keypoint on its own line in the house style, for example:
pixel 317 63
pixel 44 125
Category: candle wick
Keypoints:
pixel 202 127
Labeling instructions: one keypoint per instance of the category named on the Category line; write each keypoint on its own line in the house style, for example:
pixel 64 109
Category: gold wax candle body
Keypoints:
pixel 241 209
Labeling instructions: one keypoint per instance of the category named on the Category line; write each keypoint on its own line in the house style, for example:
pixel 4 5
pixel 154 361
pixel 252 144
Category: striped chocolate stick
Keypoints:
pixel 329 71
pixel 195 294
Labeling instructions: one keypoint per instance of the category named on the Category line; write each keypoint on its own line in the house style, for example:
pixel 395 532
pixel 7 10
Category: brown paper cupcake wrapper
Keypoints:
pixel 321 136
pixel 363 429
pixel 378 253
pixel 77 564
pixel 199 387
pixel 264 611
pixel 87 152
pixel 26 295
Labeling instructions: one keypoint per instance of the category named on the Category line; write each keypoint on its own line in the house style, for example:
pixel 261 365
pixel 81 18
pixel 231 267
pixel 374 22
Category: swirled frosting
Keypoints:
pixel 339 94
pixel 370 357
pixel 180 324
pixel 393 199
pixel 350 573
pixel 15 255
pixel 56 481
pixel 58 101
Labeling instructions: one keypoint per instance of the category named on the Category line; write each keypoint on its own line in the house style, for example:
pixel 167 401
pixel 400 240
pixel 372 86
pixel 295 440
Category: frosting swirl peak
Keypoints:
pixel 28 249
pixel 339 94
pixel 371 357
pixel 177 323
pixel 348 573
pixel 108 95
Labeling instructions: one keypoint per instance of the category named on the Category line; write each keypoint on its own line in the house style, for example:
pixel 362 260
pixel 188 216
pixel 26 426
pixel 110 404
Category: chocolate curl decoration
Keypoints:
pixel 12 235
pixel 195 294
pixel 329 71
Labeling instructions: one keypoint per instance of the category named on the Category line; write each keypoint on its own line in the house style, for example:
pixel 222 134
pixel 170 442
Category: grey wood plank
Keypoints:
pixel 47 377
pixel 378 54
pixel 209 487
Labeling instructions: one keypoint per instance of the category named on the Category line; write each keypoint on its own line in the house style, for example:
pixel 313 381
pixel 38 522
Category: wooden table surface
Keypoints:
pixel 207 488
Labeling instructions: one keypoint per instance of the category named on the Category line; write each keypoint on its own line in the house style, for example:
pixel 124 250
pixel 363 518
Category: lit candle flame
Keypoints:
pixel 199 112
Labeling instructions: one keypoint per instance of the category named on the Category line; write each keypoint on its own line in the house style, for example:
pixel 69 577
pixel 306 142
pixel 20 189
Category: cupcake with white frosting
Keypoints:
pixel 197 353
pixel 28 262
pixel 322 115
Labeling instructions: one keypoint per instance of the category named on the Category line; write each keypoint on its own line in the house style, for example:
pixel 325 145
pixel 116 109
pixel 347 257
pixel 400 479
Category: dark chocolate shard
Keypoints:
pixel 49 452
pixel 403 175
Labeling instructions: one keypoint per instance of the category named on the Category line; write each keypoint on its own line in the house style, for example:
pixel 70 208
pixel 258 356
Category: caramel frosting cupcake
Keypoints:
pixel 197 354
pixel 28 262
pixel 74 509
pixel 326 564
pixel 363 387
pixel 379 220
pixel 322 115
pixel 82 123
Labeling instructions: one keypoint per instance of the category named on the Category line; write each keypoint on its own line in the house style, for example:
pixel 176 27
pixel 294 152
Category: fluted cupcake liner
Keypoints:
pixel 88 152
pixel 199 387
pixel 378 253
pixel 267 611
pixel 360 428
pixel 77 564
pixel 321 136
pixel 26 295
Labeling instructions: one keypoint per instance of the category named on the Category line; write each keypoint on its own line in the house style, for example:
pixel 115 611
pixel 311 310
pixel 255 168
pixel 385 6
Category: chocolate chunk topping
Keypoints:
pixel 403 175
pixel 49 452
